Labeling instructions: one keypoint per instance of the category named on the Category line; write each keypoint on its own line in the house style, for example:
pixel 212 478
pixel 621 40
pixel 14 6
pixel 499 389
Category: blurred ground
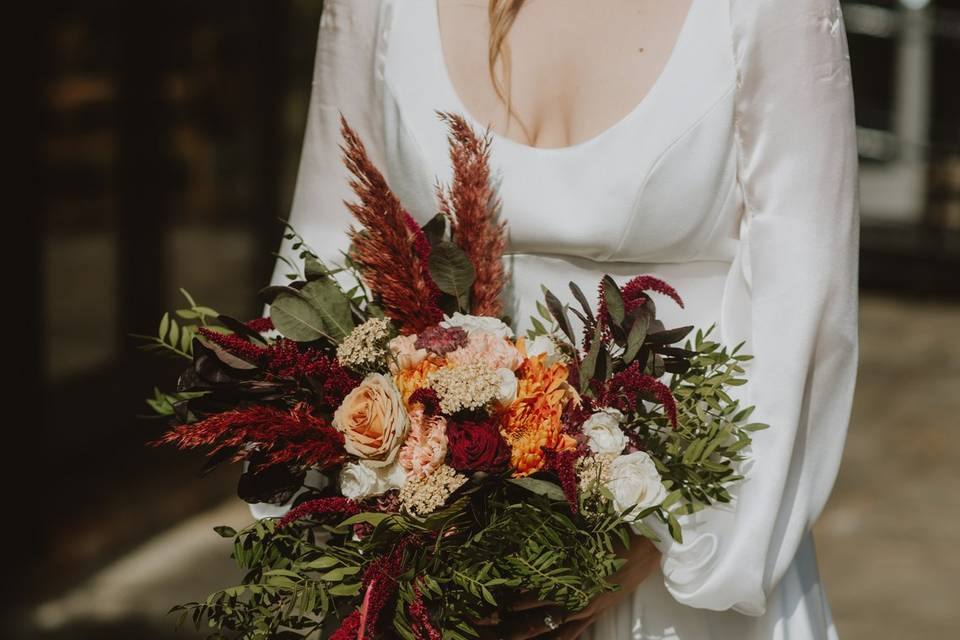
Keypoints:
pixel 886 540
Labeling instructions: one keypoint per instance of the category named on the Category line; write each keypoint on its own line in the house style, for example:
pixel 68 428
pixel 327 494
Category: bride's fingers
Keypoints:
pixel 529 601
pixel 533 623
pixel 487 621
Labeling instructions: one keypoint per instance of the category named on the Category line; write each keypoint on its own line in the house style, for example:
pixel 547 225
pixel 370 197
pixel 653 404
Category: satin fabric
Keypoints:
pixel 734 180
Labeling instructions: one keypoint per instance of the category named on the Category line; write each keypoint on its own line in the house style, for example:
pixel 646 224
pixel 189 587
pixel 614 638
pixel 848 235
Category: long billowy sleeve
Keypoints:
pixel 347 79
pixel 792 291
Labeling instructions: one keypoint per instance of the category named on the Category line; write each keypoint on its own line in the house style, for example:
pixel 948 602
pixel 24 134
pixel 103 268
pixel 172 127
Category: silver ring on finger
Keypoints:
pixel 551 624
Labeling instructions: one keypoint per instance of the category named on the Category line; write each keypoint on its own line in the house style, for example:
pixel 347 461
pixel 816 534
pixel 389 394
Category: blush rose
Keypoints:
pixel 373 420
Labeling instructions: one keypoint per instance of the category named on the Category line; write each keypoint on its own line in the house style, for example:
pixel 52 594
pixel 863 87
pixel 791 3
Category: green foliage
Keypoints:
pixel 492 542
pixel 176 336
pixel 452 272
pixel 698 459
pixel 162 403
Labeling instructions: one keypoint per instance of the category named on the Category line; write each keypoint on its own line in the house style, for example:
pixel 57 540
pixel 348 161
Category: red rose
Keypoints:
pixel 476 446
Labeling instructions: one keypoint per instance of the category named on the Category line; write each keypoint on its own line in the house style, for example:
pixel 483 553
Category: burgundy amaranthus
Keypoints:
pixel 634 294
pixel 380 583
pixel 285 359
pixel 234 344
pixel 320 506
pixel 471 205
pixel 563 464
pixel 623 391
pixel 260 325
pixel 423 629
pixel 283 436
pixel 428 398
pixel 349 629
pixel 391 246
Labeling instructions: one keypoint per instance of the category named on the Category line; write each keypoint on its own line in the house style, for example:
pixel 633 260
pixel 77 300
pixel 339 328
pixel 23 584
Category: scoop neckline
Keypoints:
pixel 643 104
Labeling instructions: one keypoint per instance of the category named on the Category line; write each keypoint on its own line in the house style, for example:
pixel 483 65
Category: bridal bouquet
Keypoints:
pixel 436 462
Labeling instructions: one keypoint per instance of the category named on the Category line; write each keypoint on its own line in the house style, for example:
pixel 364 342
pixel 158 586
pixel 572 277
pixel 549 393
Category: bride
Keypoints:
pixel 708 142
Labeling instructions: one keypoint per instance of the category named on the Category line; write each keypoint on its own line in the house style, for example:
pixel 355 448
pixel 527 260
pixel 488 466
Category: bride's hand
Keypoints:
pixel 527 617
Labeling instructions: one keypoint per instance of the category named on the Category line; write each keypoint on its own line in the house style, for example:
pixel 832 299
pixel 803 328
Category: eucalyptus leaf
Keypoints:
pixel 540 487
pixel 636 337
pixel 589 364
pixel 296 319
pixel 559 313
pixel 332 305
pixel 452 271
pixel 313 269
pixel 435 229
pixel 614 300
pixel 669 336
pixel 582 299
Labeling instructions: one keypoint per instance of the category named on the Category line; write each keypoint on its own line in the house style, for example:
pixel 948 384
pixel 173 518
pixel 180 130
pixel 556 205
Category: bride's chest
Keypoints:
pixel 658 185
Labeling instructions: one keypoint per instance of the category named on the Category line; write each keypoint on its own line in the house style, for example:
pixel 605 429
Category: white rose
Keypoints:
pixel 603 431
pixel 392 477
pixel 507 392
pixel 544 344
pixel 358 480
pixel 477 323
pixel 635 483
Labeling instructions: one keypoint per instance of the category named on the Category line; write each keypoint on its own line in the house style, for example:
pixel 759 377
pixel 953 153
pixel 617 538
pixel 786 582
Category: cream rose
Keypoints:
pixel 359 480
pixel 493 350
pixel 544 344
pixel 507 392
pixel 373 420
pixel 603 431
pixel 477 323
pixel 635 483
pixel 405 353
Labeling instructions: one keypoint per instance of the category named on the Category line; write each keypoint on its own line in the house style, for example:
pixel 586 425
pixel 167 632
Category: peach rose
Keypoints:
pixel 373 420
pixel 405 354
pixel 489 348
pixel 426 446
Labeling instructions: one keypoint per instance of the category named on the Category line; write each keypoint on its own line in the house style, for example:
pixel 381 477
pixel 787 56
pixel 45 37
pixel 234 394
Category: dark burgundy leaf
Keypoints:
pixel 275 484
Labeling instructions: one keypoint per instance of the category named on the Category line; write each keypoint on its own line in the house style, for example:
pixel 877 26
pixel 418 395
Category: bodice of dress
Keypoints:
pixel 659 185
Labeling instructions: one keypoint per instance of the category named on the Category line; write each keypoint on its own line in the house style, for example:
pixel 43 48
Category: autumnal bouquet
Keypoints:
pixel 437 463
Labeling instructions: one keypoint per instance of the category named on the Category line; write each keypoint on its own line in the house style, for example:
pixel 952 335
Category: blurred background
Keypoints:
pixel 160 144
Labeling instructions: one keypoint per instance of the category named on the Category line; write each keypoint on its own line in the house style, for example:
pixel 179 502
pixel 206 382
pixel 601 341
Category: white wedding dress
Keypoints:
pixel 735 181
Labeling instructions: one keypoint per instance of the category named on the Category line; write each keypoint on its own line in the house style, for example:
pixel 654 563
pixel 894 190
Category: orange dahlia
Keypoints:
pixel 531 424
pixel 409 380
